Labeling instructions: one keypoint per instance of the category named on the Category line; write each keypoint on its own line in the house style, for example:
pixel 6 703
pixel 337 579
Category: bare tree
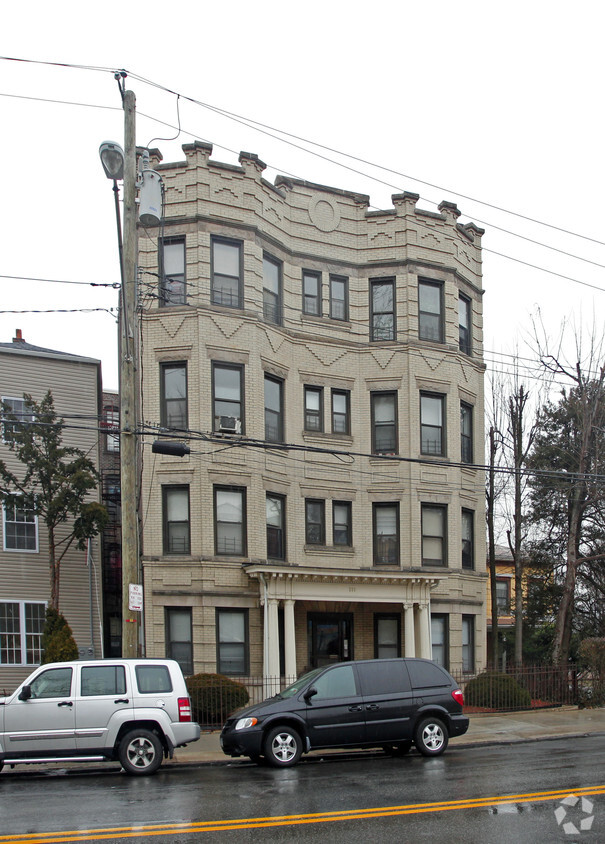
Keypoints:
pixel 566 463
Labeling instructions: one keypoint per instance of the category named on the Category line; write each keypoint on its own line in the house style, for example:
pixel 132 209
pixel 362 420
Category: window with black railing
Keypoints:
pixel 466 433
pixel 229 520
pixel 339 297
pixel 382 309
pixel 314 409
pixel 430 310
pixel 226 282
pixel 468 541
pixel 432 415
pixel 434 534
pixel 173 396
pixel 276 534
pixel 464 324
pixel 272 290
pixel 311 293
pixel 386 534
pixel 315 521
pixel 175 500
pixel 341 412
pixel 384 422
pixel 274 409
pixel 172 272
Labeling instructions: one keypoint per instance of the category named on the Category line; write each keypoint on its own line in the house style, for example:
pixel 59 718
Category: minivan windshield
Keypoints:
pixel 303 681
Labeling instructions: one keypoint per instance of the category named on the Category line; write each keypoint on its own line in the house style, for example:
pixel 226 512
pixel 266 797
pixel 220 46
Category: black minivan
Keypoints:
pixel 389 703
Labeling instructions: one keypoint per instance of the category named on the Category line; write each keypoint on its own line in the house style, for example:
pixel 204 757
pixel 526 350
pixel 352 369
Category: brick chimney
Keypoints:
pixel 18 338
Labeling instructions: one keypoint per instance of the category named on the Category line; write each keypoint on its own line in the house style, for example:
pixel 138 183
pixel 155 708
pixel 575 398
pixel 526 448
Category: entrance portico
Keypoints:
pixel 284 586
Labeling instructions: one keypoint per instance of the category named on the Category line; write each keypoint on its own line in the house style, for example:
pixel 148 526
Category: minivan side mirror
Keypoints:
pixel 309 694
pixel 25 693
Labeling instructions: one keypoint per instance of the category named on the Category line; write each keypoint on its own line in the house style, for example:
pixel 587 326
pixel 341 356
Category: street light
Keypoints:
pixel 112 159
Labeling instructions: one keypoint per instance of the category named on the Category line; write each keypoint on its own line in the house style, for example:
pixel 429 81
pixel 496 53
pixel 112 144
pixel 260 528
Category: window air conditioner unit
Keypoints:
pixel 230 424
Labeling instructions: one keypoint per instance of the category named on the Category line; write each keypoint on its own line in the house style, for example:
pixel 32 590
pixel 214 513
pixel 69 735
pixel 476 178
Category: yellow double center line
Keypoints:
pixel 119 832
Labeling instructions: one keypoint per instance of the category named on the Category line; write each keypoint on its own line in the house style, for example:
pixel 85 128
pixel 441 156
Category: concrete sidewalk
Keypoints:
pixel 501 728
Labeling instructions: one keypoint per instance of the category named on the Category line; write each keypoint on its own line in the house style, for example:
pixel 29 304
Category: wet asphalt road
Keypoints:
pixel 347 797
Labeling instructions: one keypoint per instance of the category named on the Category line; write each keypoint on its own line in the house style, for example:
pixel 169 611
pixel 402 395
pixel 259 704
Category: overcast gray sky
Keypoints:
pixel 498 102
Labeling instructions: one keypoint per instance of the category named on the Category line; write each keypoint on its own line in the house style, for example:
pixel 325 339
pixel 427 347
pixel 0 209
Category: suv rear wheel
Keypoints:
pixel 283 747
pixel 140 752
pixel 430 736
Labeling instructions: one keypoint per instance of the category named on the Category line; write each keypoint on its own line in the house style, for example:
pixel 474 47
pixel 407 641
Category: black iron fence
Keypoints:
pixel 530 687
pixel 517 688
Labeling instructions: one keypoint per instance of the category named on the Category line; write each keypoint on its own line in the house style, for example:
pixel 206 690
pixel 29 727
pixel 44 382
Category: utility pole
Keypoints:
pixel 128 389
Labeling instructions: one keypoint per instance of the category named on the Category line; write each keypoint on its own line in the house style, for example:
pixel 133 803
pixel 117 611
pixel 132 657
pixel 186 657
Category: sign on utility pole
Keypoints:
pixel 135 597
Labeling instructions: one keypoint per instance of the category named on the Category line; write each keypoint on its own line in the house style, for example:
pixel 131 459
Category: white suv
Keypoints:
pixel 132 710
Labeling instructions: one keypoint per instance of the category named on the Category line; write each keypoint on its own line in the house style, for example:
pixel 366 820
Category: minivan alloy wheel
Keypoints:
pixel 430 736
pixel 283 747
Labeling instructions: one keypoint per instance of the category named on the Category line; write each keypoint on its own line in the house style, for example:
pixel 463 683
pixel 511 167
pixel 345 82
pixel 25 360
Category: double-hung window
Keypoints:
pixel 384 422
pixel 339 297
pixel 466 433
pixel 386 534
pixel 227 397
pixel 440 639
pixel 111 423
pixel 274 409
pixel 272 286
pixel 314 409
pixel 434 535
pixel 341 523
pixel 173 396
pixel 468 643
pixel 232 642
pixel 20 528
pixel 230 521
pixel 175 501
pixel 179 637
pixel 226 273
pixel 16 407
pixel 311 293
pixel 430 310
pixel 382 309
pixel 315 521
pixel 464 324
pixel 172 272
pixel 341 412
pixel 276 526
pixel 432 427
pixel 21 626
pixel 387 636
pixel 503 596
pixel 468 539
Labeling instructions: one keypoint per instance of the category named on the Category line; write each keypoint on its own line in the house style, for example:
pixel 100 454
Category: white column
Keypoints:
pixel 273 645
pixel 424 622
pixel 289 641
pixel 409 638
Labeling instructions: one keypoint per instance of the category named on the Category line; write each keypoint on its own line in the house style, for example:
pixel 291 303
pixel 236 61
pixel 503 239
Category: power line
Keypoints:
pixel 114 284
pixel 250 123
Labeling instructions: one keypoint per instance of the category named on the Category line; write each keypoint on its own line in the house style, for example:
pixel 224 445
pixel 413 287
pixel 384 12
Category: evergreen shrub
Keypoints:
pixel 214 697
pixel 58 643
pixel 493 690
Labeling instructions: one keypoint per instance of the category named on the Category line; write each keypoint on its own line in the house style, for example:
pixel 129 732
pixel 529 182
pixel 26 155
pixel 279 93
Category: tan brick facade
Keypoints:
pixel 353 347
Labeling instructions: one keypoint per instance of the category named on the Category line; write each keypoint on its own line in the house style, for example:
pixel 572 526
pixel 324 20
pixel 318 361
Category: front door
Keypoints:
pixel 43 725
pixel 335 713
pixel 330 638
